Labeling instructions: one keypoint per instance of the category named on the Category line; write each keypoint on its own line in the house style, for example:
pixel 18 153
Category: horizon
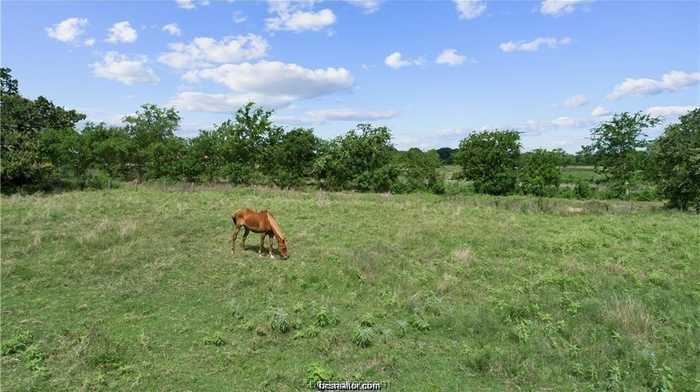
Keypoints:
pixel 434 72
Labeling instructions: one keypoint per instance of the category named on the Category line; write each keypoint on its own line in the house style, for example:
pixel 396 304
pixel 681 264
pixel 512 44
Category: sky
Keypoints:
pixel 431 71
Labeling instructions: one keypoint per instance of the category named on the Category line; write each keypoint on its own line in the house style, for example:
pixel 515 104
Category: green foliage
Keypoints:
pixel 280 321
pixel 361 159
pixel 22 122
pixel 293 157
pixel 18 343
pixel 151 129
pixel 540 174
pixel 362 337
pixel 676 162
pixel 616 146
pixel 317 372
pixel 419 172
pixel 490 159
pixel 446 155
pixel 214 339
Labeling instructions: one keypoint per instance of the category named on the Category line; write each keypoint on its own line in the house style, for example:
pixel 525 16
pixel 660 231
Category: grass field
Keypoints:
pixel 135 289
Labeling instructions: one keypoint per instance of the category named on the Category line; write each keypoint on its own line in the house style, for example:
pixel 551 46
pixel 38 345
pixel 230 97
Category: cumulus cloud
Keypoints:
pixel 450 57
pixel 348 115
pixel 672 81
pixel 559 7
pixel 470 9
pixel 271 83
pixel 124 69
pixel 575 101
pixel 193 101
pixel 172 29
pixel 668 111
pixel 396 61
pixel 205 51
pixel 89 42
pixel 68 30
pixel 297 16
pixel 534 45
pixel 599 111
pixel 122 32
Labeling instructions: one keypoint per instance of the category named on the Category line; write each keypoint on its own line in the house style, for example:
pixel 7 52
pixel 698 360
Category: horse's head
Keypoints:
pixel 282 245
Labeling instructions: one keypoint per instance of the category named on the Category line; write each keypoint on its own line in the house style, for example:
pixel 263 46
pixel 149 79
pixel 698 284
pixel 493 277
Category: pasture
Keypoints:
pixel 135 289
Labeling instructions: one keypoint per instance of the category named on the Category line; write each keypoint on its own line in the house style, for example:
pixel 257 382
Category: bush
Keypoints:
pixel 676 162
pixel 540 174
pixel 362 337
pixel 490 159
pixel 280 321
pixel 361 159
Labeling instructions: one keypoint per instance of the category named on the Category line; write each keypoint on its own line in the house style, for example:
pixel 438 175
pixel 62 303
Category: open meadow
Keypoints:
pixel 135 289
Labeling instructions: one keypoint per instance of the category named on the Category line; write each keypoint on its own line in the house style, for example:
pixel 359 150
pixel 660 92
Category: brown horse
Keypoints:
pixel 258 222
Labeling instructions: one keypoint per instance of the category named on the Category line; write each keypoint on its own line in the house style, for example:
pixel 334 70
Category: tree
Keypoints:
pixel 616 147
pixel 446 155
pixel 205 157
pixel 22 121
pixel 490 159
pixel 152 125
pixel 540 173
pixel 294 156
pixel 676 162
pixel 361 159
pixel 248 143
pixel 419 171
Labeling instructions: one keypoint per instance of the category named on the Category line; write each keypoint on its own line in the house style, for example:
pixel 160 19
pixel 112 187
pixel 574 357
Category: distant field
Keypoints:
pixel 571 174
pixel 135 289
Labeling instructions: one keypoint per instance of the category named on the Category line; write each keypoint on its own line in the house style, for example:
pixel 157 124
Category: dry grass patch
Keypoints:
pixel 632 317
pixel 464 255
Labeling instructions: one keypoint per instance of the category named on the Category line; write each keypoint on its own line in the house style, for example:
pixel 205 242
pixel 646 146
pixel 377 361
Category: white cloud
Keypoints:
pixel 348 115
pixel 205 51
pixel 575 101
pixel 559 7
pixel 534 45
pixel 599 111
pixel 450 57
pixel 238 17
pixel 172 29
pixel 122 68
pixel 190 4
pixel 297 16
pixel 368 5
pixel 89 42
pixel 122 32
pixel 672 81
pixel 193 101
pixel 663 111
pixel 67 30
pixel 274 82
pixel 396 61
pixel 470 9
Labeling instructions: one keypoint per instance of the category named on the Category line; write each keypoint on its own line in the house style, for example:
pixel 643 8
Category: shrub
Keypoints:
pixel 280 321
pixel 540 174
pixel 490 159
pixel 676 162
pixel 316 372
pixel 362 337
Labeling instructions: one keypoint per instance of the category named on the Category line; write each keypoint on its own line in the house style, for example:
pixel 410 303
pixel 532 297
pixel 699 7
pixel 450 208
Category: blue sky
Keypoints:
pixel 431 71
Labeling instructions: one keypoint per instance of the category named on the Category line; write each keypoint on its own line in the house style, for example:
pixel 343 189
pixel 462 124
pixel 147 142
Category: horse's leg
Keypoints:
pixel 269 250
pixel 233 238
pixel 245 235
pixel 262 244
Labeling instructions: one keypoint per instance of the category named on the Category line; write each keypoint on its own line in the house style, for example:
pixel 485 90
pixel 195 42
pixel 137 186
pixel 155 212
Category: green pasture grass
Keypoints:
pixel 571 174
pixel 135 289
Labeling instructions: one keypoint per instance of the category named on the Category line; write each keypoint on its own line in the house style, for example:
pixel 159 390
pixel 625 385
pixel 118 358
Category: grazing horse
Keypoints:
pixel 258 222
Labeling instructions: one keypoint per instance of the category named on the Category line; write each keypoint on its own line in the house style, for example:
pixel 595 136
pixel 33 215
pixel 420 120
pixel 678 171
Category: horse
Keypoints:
pixel 258 222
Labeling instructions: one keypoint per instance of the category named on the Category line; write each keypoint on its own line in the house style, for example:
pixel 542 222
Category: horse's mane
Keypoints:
pixel 275 227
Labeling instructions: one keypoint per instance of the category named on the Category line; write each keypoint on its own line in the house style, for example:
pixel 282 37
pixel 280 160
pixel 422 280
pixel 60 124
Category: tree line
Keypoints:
pixel 44 148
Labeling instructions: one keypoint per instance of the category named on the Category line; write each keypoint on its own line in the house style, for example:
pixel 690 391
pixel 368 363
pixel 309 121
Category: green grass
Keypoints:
pixel 135 289
pixel 571 174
